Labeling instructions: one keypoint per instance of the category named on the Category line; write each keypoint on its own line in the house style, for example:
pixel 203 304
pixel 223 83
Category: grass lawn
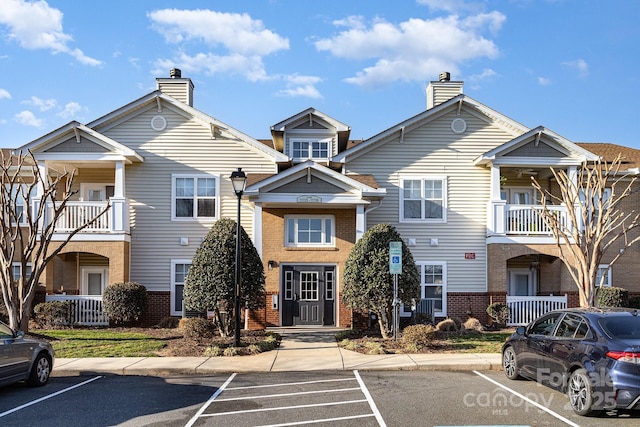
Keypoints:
pixel 488 342
pixel 101 343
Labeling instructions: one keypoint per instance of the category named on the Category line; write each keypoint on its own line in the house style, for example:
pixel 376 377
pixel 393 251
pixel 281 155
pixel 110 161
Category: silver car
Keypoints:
pixel 24 359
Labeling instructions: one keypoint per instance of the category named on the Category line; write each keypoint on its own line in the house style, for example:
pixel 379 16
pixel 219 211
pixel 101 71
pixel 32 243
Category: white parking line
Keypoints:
pixel 526 399
pixel 11 411
pixel 372 404
pixel 210 401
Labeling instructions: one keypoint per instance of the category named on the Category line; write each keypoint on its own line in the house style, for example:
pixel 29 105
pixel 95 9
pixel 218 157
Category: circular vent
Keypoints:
pixel 458 125
pixel 158 123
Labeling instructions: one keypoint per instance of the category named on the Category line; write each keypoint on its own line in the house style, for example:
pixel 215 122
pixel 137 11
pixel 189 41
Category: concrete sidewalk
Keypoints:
pixel 301 349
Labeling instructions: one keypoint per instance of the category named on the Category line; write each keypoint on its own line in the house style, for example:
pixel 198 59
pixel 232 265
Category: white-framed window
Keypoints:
pixel 16 270
pixel 604 275
pixel 18 192
pixel 433 285
pixel 94 280
pixel 194 197
pixel 179 270
pixel 305 149
pixel 423 199
pixel 310 230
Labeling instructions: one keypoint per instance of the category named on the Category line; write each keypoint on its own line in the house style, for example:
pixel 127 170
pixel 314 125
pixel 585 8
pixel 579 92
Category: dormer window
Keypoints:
pixel 305 149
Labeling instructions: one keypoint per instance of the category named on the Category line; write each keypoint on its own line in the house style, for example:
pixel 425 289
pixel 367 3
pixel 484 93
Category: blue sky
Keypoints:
pixel 569 65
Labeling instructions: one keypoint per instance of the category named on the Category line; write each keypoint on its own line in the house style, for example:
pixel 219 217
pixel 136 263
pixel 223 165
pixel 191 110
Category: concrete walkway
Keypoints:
pixel 301 349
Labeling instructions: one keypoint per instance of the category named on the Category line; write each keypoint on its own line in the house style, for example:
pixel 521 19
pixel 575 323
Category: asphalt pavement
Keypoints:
pixel 301 349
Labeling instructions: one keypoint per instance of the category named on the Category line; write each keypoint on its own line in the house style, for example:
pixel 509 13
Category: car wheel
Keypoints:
pixel 40 371
pixel 510 363
pixel 580 392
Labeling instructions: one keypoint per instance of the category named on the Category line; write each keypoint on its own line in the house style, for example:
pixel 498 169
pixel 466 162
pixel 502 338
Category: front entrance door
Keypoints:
pixel 308 295
pixel 520 282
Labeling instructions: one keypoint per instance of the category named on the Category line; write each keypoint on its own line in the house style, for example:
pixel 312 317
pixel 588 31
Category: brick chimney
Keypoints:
pixel 176 87
pixel 442 90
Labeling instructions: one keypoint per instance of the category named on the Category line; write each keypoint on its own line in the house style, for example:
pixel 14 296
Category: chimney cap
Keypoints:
pixel 175 73
pixel 445 76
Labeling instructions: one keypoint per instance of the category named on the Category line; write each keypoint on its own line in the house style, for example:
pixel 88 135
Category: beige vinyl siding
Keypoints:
pixel 184 147
pixel 434 150
pixel 93 176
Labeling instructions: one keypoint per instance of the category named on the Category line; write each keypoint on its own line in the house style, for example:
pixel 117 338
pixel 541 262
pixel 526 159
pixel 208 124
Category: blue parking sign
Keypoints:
pixel 395 257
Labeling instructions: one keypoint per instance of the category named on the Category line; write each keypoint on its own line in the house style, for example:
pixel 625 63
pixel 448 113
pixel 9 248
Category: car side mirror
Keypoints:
pixel 20 334
pixel 521 330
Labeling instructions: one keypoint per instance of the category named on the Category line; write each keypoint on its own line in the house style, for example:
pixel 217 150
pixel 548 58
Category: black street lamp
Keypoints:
pixel 238 180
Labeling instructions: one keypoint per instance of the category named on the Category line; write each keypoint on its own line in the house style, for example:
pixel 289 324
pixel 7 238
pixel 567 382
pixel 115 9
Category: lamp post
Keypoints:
pixel 238 180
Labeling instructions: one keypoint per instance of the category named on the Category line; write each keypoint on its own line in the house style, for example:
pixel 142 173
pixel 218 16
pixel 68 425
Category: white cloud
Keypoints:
pixel 453 6
pixel 233 43
pixel 27 118
pixel 70 110
pixel 301 86
pixel 544 81
pixel 580 65
pixel 413 50
pixel 36 25
pixel 41 104
pixel 4 94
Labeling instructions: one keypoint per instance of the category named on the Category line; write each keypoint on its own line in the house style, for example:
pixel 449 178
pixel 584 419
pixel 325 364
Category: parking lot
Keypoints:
pixel 330 398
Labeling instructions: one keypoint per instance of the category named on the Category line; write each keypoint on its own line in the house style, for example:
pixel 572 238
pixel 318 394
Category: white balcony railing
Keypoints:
pixel 83 309
pixel 524 309
pixel 76 214
pixel 527 219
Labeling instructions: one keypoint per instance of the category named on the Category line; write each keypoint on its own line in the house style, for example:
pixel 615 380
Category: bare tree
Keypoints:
pixel 597 219
pixel 32 204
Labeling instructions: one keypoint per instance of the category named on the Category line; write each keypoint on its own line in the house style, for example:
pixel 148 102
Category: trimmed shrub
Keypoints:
pixel 51 314
pixel 124 302
pixel 499 312
pixel 419 335
pixel 473 324
pixel 613 297
pixel 197 327
pixel 169 323
pixel 634 302
pixel 447 325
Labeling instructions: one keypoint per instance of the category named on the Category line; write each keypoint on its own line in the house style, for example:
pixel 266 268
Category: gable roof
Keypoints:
pixel 555 148
pixel 163 100
pixel 420 119
pixel 364 186
pixel 311 114
pixel 43 148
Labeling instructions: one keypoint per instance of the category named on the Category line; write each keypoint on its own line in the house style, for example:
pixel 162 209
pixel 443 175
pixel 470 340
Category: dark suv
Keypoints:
pixel 591 354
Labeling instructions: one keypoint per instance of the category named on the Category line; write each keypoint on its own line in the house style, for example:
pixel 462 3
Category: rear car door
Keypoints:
pixel 535 354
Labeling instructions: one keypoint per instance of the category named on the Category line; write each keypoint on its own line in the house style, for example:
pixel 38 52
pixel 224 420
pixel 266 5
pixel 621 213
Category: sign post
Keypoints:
pixel 395 268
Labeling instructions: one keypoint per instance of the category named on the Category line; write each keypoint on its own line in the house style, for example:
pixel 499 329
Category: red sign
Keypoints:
pixel 469 255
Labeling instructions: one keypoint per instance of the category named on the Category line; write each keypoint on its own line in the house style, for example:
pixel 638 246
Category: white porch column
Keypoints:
pixel 119 206
pixel 497 206
pixel 257 227
pixel 35 201
pixel 572 174
pixel 360 221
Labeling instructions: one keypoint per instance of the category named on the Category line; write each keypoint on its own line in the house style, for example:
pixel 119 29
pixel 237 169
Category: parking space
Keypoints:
pixel 339 398
pixel 327 398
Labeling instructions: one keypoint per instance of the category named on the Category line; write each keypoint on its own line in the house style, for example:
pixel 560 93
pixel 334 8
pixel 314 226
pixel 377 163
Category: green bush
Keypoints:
pixel 447 325
pixel 419 335
pixel 612 297
pixel 634 302
pixel 124 302
pixel 168 323
pixel 499 312
pixel 51 314
pixel 197 327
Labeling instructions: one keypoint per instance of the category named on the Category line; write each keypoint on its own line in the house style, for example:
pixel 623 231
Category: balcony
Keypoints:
pixel 523 220
pixel 76 214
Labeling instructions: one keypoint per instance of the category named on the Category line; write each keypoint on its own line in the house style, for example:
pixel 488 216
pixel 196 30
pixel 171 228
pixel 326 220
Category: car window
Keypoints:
pixel 545 325
pixel 621 327
pixel 572 326
pixel 5 331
